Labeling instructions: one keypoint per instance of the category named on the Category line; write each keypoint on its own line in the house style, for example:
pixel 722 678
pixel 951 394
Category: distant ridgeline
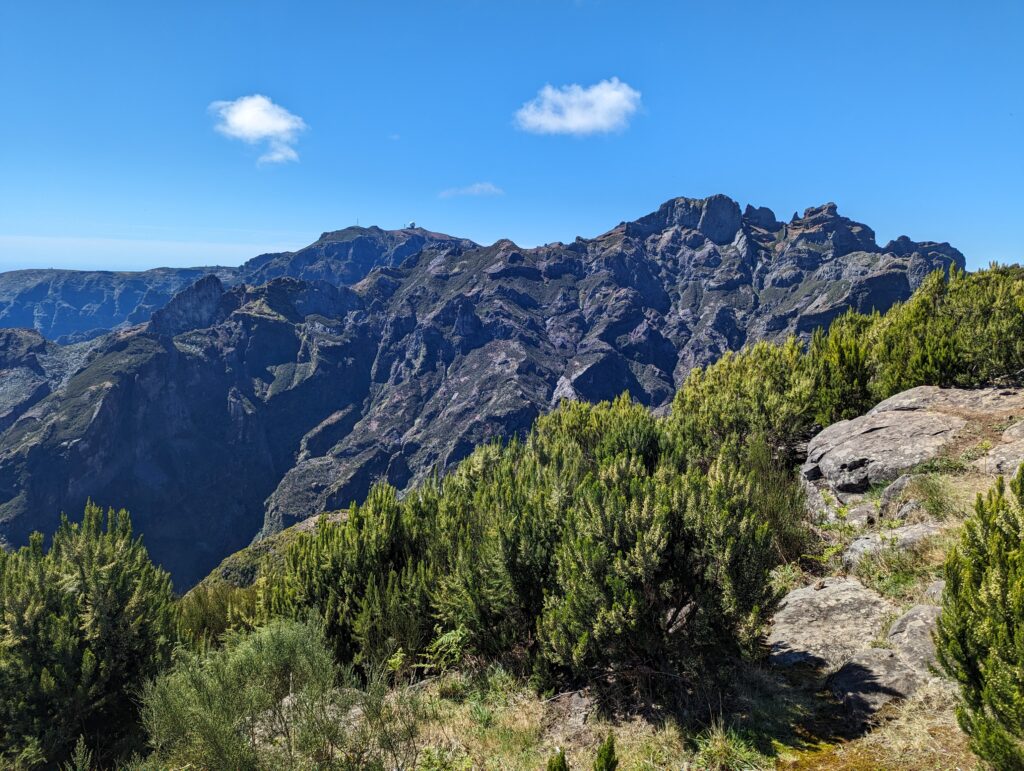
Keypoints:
pixel 258 396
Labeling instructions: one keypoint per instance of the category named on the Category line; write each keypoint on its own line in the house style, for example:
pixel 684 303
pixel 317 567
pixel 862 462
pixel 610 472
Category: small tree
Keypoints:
pixel 558 762
pixel 606 759
pixel 82 627
pixel 981 630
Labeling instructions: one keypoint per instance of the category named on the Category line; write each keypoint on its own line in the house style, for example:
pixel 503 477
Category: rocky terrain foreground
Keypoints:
pixel 890 489
pixel 262 395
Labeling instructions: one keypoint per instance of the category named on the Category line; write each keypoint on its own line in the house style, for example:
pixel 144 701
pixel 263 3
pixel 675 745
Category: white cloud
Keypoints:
pixel 598 109
pixel 255 119
pixel 477 188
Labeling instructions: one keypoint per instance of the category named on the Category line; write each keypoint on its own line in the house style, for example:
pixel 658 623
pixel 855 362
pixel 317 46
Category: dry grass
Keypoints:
pixel 919 734
pixel 502 725
pixel 904 575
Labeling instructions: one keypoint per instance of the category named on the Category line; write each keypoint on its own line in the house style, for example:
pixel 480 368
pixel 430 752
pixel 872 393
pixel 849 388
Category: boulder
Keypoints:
pixel 911 636
pixel 824 624
pixel 1006 457
pixel 899 539
pixel 873 678
pixel 908 429
pixel 852 455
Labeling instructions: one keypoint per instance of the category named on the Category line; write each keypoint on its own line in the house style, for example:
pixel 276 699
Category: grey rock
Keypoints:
pixel 892 496
pixel 194 308
pixel 853 455
pixel 863 514
pixel 873 678
pixel 908 509
pixel 899 539
pixel 815 503
pixel 1006 457
pixel 911 636
pixel 901 432
pixel 933 592
pixel 824 624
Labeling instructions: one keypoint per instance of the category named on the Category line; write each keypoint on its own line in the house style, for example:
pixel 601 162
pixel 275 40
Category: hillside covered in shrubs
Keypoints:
pixel 633 555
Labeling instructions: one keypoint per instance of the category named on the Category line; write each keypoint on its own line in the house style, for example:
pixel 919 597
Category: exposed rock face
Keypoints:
pixel 899 539
pixel 873 678
pixel 911 635
pixel 907 429
pixel 852 455
pixel 836 626
pixel 242 409
pixel 876 676
pixel 826 623
pixel 1007 454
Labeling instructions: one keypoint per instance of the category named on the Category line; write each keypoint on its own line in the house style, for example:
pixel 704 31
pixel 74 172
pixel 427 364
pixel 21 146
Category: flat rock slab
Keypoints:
pixel 907 429
pixel 873 678
pixel 898 539
pixel 824 624
pixel 852 455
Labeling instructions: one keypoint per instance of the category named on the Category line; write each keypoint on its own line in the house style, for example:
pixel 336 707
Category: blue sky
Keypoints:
pixel 123 143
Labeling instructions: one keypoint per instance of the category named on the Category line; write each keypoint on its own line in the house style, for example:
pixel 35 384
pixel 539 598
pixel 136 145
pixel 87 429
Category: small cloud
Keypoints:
pixel 477 188
pixel 604 107
pixel 255 119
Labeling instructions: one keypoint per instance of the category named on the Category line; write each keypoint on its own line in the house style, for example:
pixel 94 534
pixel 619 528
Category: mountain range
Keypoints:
pixel 223 404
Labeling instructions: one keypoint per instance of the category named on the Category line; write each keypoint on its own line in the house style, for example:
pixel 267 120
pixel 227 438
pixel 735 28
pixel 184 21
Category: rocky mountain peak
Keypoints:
pixel 761 217
pixel 717 217
pixel 823 224
pixel 192 308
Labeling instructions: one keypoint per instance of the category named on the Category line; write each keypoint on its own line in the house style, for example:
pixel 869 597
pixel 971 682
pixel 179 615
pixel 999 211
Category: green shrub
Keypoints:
pixel 606 759
pixel 763 391
pixel 273 698
pixel 964 330
pixel 980 632
pixel 82 627
pixel 838 362
pixel 558 762
pixel 206 612
pixel 585 547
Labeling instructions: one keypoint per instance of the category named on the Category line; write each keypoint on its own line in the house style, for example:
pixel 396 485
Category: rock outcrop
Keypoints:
pixel 837 627
pixel 899 538
pixel 911 428
pixel 865 648
pixel 826 623
pixel 1007 453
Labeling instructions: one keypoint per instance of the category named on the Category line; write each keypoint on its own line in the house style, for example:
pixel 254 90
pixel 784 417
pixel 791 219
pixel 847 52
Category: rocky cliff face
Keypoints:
pixel 241 409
